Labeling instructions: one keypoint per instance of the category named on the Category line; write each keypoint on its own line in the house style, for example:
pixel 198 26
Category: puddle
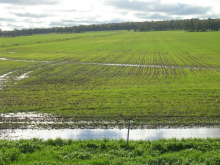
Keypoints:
pixel 5 75
pixel 4 78
pixel 25 75
pixel 3 59
pixel 23 115
pixel 136 134
pixel 6 59
pixel 153 66
pixel 125 65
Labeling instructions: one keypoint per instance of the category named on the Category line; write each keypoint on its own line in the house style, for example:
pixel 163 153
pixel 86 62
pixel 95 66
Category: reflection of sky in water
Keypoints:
pixel 135 134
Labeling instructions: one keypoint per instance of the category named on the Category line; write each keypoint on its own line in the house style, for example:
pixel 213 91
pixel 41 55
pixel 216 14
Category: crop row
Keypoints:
pixel 92 76
pixel 38 39
pixel 84 89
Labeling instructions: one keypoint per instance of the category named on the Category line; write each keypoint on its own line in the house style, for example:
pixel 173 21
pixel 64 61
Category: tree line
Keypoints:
pixel 189 25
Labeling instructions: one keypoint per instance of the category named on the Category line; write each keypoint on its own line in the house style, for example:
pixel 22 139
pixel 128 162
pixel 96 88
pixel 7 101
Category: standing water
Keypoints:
pixel 135 134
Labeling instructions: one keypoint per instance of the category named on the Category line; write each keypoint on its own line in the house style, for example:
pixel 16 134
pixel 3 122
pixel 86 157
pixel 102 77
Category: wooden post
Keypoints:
pixel 128 131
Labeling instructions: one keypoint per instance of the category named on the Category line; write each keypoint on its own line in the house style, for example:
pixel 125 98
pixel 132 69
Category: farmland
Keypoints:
pixel 161 77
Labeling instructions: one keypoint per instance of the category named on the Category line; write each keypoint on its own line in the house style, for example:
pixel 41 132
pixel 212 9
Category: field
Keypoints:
pixel 114 152
pixel 167 77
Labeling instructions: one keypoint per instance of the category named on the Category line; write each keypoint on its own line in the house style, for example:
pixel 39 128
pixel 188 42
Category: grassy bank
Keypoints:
pixel 58 151
pixel 173 74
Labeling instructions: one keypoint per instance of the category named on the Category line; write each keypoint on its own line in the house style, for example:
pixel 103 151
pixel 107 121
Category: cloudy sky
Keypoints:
pixel 51 13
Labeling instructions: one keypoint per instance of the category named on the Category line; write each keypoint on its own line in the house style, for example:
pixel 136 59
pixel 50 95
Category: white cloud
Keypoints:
pixel 50 13
pixel 29 2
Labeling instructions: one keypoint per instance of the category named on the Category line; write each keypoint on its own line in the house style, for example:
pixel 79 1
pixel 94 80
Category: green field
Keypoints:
pixel 173 76
pixel 114 152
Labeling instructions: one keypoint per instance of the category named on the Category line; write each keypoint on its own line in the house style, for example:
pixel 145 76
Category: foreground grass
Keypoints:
pixel 58 151
pixel 72 83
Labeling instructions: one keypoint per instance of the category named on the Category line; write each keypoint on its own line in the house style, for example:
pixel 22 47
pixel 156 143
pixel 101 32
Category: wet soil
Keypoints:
pixel 46 121
pixel 125 65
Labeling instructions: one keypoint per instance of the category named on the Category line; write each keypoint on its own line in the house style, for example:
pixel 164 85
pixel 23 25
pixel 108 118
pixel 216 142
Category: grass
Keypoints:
pixel 52 37
pixel 58 151
pixel 76 83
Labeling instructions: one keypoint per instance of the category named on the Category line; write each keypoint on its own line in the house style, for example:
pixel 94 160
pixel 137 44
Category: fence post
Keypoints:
pixel 128 131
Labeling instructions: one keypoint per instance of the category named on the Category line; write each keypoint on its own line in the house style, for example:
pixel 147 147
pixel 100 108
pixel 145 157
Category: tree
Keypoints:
pixel 199 26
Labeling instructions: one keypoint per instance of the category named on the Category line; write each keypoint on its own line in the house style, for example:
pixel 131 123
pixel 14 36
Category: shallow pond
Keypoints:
pixel 135 134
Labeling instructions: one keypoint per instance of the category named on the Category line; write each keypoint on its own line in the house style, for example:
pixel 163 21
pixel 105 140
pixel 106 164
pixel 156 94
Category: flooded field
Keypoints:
pixel 156 80
pixel 44 126
pixel 135 134
pixel 46 121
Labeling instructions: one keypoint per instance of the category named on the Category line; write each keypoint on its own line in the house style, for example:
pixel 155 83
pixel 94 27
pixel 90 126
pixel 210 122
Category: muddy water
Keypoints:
pixel 136 134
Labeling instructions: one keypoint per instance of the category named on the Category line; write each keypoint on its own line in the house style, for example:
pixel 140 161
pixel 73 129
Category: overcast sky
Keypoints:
pixel 51 13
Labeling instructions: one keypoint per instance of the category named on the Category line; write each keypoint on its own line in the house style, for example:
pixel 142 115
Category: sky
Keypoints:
pixel 21 14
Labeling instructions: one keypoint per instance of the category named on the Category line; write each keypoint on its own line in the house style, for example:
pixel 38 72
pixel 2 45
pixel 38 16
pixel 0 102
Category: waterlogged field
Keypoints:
pixel 159 77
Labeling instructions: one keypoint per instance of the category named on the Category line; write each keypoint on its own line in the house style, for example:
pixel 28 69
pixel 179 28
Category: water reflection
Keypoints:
pixel 136 134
